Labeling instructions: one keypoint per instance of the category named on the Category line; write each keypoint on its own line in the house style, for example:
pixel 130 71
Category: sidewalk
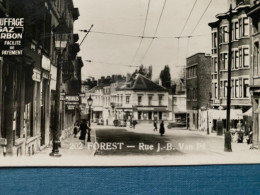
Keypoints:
pixel 72 146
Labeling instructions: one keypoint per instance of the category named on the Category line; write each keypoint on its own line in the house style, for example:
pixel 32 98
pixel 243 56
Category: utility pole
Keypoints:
pixel 227 147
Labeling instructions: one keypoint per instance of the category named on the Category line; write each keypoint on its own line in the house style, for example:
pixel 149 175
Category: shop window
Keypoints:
pixel 139 115
pixel 150 115
pixel 160 115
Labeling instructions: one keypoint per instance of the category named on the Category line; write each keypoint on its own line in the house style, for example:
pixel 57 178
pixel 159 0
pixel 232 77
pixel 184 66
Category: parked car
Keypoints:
pixel 100 122
pixel 119 123
pixel 177 123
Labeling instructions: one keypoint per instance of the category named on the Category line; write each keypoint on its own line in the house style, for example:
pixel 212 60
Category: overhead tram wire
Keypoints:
pixel 201 17
pixel 114 64
pixel 151 42
pixel 139 36
pixel 188 18
pixel 142 34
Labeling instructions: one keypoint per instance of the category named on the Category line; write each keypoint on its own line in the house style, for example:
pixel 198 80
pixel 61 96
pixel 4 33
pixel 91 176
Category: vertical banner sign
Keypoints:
pixel 11 36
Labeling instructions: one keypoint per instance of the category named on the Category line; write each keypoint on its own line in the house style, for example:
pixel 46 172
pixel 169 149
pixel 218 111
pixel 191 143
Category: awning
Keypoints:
pixel 248 113
pixel 235 114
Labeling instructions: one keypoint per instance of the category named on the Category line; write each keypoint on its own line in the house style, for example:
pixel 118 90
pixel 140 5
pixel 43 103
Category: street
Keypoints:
pixel 144 141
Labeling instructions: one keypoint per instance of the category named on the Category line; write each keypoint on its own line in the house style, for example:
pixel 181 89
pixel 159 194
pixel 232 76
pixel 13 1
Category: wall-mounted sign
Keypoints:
pixel 11 36
pixel 72 98
pixel 46 63
pixel 36 75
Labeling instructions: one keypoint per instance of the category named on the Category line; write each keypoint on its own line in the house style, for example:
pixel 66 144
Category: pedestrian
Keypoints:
pixel 134 123
pixel 155 126
pixel 76 128
pixel 83 130
pixel 162 130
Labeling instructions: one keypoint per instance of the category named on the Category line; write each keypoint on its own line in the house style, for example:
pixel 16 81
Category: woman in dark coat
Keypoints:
pixel 83 130
pixel 162 130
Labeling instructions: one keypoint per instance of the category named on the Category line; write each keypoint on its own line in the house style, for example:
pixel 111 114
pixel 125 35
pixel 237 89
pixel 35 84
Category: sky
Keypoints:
pixel 113 54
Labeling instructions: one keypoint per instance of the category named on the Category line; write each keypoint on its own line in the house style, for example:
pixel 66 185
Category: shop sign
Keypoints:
pixel 46 63
pixel 72 98
pixel 82 95
pixel 12 36
pixel 71 107
pixel 36 75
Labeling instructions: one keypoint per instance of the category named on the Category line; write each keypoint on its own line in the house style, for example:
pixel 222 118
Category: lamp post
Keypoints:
pixel 60 38
pixel 90 101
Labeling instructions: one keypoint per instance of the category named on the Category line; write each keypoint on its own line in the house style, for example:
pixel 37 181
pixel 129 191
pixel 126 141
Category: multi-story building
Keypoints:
pixel 240 68
pixel 143 100
pixel 28 82
pixel 253 14
pixel 198 87
pixel 136 99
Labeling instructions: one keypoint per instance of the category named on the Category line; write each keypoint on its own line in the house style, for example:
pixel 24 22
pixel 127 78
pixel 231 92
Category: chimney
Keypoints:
pixel 98 82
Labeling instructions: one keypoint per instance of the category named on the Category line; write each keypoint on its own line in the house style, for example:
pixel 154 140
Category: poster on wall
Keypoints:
pixel 129 83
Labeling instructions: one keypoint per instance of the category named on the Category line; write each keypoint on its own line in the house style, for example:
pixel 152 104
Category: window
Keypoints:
pixel 150 97
pixel 232 88
pixel 214 42
pixel 139 100
pixel 233 60
pixel 236 59
pixel 240 87
pixel 256 58
pixel 240 58
pixel 225 34
pixel 246 88
pixel 245 57
pixel 215 65
pixel 243 27
pixel 225 61
pixel 236 89
pixel 216 90
pixel 127 99
pixel 236 31
pixel 195 94
pixel 225 88
pixel 160 100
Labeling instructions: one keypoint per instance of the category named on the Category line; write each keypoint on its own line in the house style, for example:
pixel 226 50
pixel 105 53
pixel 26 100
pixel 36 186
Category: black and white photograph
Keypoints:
pixel 129 82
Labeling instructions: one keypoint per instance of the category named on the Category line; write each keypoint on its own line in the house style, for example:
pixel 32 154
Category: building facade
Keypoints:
pixel 198 88
pixel 27 81
pixel 253 14
pixel 240 63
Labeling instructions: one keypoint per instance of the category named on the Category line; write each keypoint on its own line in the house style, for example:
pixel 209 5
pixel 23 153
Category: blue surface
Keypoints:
pixel 235 179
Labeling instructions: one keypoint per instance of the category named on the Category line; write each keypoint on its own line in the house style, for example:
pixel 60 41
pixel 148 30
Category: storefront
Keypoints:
pixel 149 114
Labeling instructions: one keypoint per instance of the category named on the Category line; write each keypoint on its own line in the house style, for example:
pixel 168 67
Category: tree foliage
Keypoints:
pixel 165 77
pixel 146 71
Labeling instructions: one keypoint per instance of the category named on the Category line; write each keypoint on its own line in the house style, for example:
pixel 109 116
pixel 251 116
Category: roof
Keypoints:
pixel 141 83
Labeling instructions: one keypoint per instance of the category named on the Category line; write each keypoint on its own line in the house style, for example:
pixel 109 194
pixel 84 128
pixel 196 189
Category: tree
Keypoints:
pixel 146 71
pixel 165 77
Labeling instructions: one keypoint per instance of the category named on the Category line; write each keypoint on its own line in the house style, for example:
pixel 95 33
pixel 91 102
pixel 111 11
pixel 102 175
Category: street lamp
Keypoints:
pixel 90 101
pixel 61 38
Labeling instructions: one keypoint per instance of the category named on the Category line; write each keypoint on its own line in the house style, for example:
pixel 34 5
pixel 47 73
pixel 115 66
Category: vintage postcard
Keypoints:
pixel 129 82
